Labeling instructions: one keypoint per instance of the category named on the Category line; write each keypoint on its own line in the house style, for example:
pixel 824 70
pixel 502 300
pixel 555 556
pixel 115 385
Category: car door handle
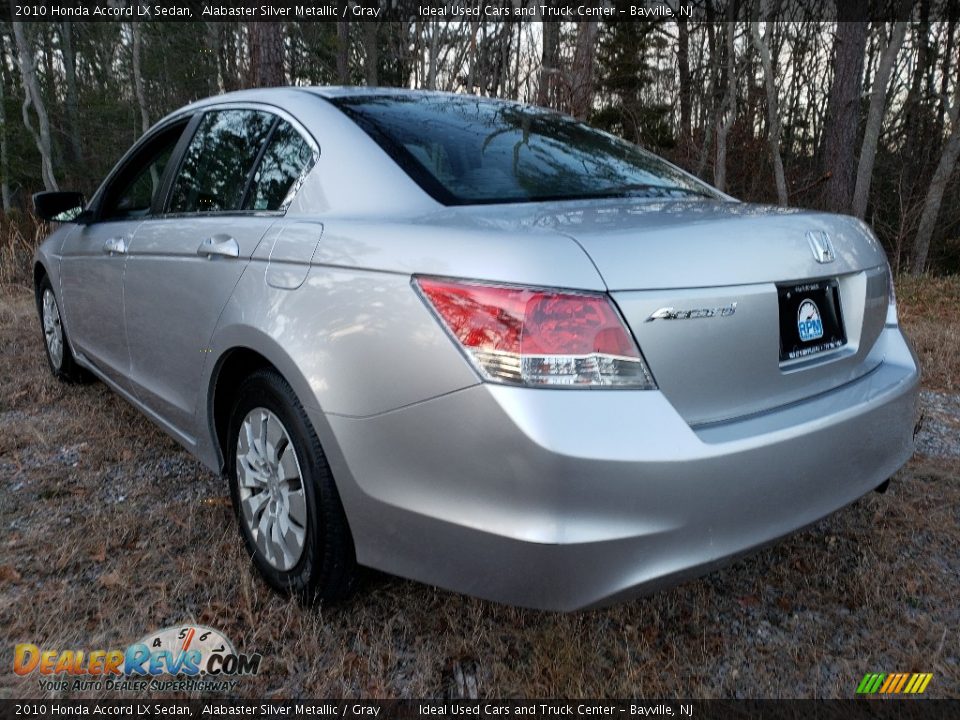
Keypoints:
pixel 115 246
pixel 222 245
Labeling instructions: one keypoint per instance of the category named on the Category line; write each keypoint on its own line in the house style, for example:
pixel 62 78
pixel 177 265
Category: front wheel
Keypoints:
pixel 61 361
pixel 284 497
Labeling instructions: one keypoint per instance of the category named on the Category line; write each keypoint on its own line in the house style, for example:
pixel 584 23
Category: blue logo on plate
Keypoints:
pixel 808 321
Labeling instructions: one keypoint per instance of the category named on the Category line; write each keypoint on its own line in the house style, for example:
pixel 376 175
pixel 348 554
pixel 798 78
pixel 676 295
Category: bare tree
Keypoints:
pixel 843 116
pixel 371 50
pixel 4 157
pixel 70 76
pixel 683 66
pixel 549 62
pixel 343 52
pixel 138 77
pixel 582 88
pixel 477 28
pixel 773 109
pixel 934 199
pixel 728 109
pixel 434 26
pixel 266 54
pixel 31 92
pixel 871 135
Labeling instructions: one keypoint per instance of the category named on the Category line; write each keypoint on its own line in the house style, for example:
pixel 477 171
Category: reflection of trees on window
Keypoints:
pixel 139 196
pixel 218 161
pixel 465 150
pixel 284 160
pixel 133 191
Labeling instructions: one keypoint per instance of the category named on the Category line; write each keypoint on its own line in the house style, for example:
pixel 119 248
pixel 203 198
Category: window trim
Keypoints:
pixel 278 114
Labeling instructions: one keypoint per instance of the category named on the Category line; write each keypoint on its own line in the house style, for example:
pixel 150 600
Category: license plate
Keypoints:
pixel 810 319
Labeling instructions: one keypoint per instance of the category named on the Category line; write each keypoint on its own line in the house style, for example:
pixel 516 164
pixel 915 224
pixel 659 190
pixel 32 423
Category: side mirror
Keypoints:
pixel 58 206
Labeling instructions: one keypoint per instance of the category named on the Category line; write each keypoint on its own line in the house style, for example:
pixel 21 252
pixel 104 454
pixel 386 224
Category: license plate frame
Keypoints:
pixel 811 319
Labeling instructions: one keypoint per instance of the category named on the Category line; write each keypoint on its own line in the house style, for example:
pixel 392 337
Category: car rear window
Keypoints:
pixel 468 150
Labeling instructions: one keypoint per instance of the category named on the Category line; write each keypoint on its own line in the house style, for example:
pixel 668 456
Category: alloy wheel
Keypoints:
pixel 270 483
pixel 52 330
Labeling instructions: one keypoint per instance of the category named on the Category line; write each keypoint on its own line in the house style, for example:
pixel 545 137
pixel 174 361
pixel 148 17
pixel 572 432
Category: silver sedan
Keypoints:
pixel 477 343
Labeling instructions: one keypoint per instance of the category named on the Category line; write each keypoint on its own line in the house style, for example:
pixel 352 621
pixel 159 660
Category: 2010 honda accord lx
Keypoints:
pixel 477 343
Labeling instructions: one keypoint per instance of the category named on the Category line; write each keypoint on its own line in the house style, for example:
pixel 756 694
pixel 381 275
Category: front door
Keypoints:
pixel 95 255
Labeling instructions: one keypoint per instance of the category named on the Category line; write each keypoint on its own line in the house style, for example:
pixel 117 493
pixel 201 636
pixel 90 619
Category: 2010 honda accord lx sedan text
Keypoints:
pixel 476 343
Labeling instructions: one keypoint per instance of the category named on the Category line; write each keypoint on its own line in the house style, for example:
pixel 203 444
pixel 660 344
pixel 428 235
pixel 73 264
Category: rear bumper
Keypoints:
pixel 568 499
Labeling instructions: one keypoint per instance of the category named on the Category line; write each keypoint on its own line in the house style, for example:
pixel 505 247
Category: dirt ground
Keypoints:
pixel 109 531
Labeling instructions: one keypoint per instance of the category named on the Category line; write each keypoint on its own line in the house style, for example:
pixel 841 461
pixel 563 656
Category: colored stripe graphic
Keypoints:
pixel 889 683
pixel 894 683
pixel 870 683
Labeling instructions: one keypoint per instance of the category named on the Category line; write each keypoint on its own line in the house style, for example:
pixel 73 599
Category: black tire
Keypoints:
pixel 326 570
pixel 65 368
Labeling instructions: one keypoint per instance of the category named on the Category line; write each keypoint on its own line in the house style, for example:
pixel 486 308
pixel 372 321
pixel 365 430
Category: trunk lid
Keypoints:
pixel 698 285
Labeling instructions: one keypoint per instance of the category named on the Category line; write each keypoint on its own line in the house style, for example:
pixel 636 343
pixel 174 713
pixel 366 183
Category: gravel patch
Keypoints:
pixel 939 434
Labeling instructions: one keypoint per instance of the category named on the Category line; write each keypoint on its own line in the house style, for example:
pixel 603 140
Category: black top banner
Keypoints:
pixel 490 709
pixel 475 10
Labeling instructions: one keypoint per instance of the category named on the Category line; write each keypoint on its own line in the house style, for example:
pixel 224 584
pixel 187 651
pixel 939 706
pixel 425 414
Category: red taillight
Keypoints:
pixel 539 337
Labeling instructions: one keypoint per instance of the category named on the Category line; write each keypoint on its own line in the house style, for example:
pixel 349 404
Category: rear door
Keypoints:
pixel 182 267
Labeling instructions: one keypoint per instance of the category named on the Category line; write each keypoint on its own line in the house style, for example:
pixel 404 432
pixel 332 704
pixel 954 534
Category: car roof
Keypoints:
pixel 328 92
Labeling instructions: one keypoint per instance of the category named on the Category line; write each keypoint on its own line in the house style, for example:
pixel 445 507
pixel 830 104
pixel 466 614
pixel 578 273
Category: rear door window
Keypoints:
pixel 287 157
pixel 217 163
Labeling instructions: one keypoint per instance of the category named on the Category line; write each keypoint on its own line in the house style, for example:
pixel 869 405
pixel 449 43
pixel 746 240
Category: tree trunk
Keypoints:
pixel 948 56
pixel 343 52
pixel 70 73
pixel 729 106
pixel 31 91
pixel 683 62
pixel 266 54
pixel 773 110
pixel 477 27
pixel 138 78
pixel 843 116
pixel 871 135
pixel 582 86
pixel 4 158
pixel 371 53
pixel 549 60
pixel 434 26
pixel 931 206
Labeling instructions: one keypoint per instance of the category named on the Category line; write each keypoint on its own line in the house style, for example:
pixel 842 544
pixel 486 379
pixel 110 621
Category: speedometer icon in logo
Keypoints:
pixel 808 321
pixel 183 650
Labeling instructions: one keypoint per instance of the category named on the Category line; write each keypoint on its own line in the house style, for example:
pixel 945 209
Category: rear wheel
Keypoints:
pixel 286 503
pixel 61 360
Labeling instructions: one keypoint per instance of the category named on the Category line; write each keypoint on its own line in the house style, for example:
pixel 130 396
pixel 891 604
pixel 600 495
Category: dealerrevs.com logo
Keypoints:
pixel 198 657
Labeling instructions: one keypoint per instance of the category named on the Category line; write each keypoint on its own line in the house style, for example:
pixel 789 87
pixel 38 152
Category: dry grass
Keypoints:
pixel 19 238
pixel 929 309
pixel 110 531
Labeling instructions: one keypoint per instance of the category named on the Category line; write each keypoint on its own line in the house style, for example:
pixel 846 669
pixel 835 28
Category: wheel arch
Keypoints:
pixel 39 273
pixel 238 360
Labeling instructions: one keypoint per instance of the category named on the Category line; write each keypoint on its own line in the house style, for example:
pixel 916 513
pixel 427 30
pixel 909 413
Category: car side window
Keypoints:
pixel 217 163
pixel 287 156
pixel 131 194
